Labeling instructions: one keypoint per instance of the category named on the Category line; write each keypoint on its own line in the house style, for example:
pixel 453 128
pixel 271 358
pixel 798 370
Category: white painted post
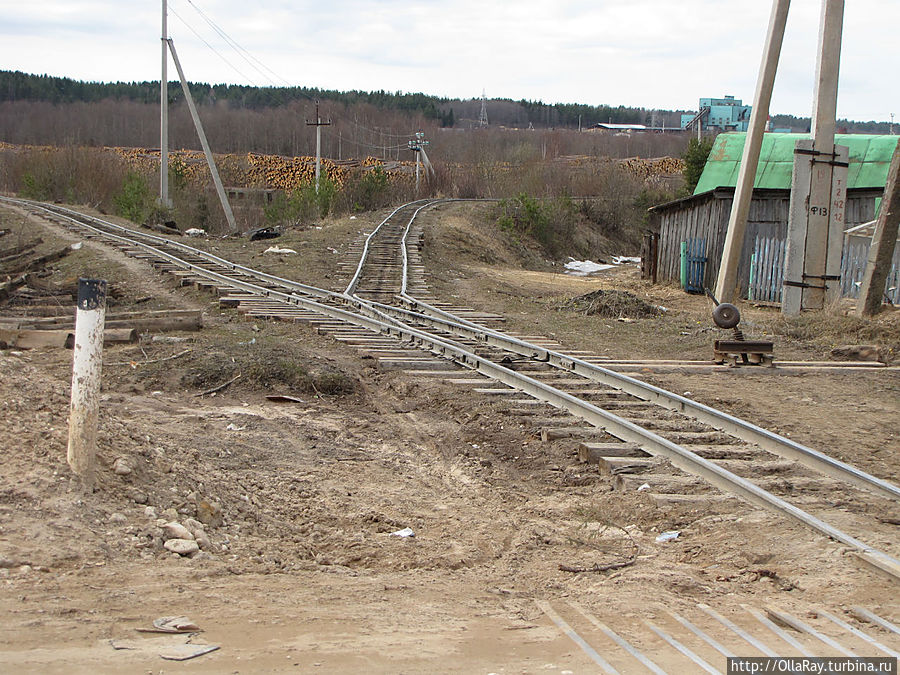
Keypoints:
pixel 86 368
pixel 726 282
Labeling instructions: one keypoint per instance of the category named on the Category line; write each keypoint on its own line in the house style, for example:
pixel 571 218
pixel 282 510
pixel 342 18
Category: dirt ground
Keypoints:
pixel 300 570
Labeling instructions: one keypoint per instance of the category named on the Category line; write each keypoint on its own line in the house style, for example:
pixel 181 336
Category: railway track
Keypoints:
pixel 648 438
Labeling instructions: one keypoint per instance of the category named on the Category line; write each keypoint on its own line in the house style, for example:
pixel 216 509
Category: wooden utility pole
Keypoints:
pixel 318 124
pixel 884 240
pixel 726 282
pixel 818 187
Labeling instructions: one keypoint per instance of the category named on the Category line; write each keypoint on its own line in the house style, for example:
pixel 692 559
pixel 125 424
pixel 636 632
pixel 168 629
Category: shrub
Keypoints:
pixel 694 161
pixel 134 201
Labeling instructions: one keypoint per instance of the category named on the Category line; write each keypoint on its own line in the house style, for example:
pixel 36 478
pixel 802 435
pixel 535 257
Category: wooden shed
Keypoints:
pixel 689 234
pixel 701 221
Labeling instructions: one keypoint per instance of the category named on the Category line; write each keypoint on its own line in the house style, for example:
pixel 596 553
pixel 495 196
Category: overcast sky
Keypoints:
pixel 652 53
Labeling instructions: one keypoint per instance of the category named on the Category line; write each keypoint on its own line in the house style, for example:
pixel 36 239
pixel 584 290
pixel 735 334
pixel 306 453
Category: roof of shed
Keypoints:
pixel 870 159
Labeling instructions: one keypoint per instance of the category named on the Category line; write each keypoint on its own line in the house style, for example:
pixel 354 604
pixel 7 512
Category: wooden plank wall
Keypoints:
pixel 853 265
pixel 706 217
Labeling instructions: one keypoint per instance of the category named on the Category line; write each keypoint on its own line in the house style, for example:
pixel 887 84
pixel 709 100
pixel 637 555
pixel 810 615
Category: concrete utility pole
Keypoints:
pixel 220 190
pixel 884 240
pixel 318 125
pixel 87 362
pixel 164 115
pixel 726 282
pixel 417 145
pixel 812 270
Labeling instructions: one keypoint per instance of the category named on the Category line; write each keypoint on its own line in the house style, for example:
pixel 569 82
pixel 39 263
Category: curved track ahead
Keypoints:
pixel 728 453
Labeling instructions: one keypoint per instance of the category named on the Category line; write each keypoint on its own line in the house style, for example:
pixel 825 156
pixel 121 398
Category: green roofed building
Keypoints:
pixel 695 226
pixel 870 158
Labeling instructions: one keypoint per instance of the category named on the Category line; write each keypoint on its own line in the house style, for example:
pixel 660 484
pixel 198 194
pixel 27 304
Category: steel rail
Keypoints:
pixel 362 305
pixel 621 428
pixel 717 419
pixel 263 276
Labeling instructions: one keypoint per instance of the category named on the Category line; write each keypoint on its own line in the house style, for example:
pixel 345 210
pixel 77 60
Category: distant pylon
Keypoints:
pixel 482 116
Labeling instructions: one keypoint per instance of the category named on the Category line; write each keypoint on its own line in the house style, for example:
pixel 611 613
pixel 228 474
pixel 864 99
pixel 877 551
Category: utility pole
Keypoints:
pixel 417 145
pixel 812 268
pixel 726 282
pixel 318 124
pixel 164 115
pixel 884 240
pixel 217 181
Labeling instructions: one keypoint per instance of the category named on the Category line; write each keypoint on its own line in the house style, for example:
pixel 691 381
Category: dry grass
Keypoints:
pixel 612 304
pixel 271 359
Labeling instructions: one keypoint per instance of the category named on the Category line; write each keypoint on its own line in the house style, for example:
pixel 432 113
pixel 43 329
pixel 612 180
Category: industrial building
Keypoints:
pixel 718 114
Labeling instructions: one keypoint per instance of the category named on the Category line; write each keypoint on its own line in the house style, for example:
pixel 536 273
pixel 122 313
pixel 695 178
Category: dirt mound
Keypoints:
pixel 612 304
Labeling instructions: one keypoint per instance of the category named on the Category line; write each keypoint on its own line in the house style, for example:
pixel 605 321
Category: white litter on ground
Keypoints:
pixel 583 268
pixel 276 249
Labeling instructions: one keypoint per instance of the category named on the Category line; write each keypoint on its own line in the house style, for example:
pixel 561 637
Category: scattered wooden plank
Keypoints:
pixel 34 339
pixel 8 287
pixel 5 254
pixel 38 262
pixel 164 320
pixel 591 453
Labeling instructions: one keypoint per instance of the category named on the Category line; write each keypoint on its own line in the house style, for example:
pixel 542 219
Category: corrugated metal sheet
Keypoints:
pixel 870 159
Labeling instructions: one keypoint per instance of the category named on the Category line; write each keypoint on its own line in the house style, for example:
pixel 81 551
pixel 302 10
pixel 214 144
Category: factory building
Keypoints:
pixel 719 114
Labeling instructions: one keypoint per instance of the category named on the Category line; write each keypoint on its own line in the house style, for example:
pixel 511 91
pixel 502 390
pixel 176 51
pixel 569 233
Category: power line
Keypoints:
pixel 216 51
pixel 376 132
pixel 236 46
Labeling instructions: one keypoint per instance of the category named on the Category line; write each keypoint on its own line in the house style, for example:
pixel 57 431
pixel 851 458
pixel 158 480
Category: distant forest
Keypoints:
pixel 40 109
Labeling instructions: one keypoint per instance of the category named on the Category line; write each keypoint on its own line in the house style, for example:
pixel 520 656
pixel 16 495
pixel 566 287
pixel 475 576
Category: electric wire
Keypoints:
pixel 239 49
pixel 213 49
pixel 268 91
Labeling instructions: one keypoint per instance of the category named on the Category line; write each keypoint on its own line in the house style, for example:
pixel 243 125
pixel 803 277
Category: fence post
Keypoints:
pixel 86 366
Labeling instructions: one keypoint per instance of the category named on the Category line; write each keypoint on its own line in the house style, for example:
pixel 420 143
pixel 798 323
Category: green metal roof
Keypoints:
pixel 870 159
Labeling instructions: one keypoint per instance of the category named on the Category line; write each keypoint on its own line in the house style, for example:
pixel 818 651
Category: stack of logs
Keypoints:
pixel 651 168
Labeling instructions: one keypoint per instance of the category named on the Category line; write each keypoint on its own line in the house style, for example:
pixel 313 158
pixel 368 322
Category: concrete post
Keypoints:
pixel 164 116
pixel 815 228
pixel 417 172
pixel 86 369
pixel 217 181
pixel 726 282
pixel 318 150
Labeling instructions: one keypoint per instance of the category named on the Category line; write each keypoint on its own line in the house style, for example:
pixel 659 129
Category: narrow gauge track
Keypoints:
pixel 648 422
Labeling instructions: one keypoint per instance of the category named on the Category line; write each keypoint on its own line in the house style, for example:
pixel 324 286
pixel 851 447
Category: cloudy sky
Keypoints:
pixel 652 53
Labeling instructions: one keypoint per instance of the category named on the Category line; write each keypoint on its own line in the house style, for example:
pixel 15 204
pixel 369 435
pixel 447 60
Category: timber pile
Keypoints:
pixel 639 167
pixel 290 173
pixel 254 169
pixel 651 168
